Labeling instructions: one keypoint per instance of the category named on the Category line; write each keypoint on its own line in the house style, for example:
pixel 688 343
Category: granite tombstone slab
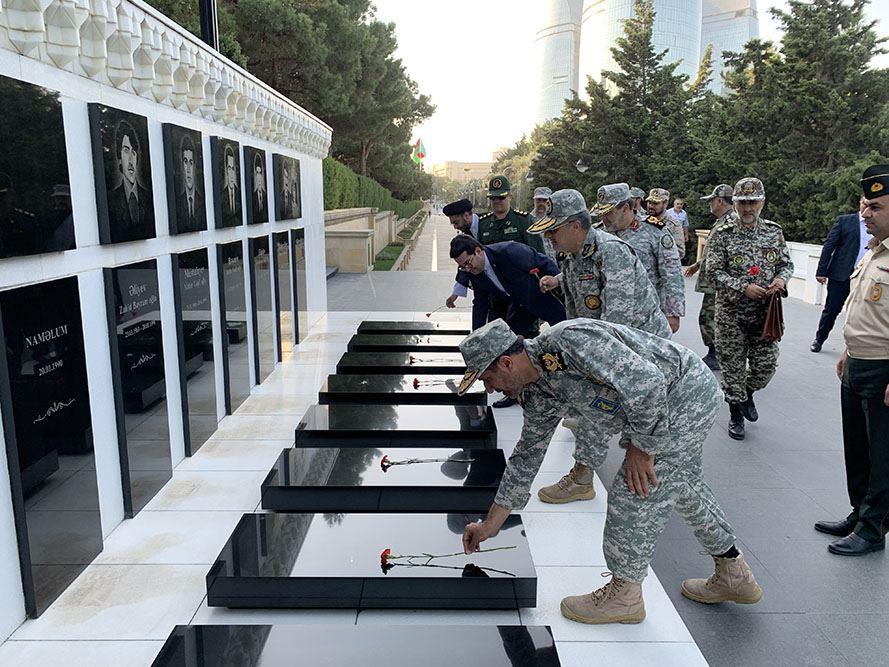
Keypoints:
pixel 405 343
pixel 285 284
pixel 288 196
pixel 264 316
pixel 184 163
pixel 400 389
pixel 256 185
pixel 226 160
pixel 233 306
pixel 383 480
pixel 423 327
pixel 300 293
pixel 370 561
pixel 397 646
pixel 348 425
pixel 401 363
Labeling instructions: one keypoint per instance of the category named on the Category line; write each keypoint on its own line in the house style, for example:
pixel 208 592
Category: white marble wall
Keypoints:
pixel 126 55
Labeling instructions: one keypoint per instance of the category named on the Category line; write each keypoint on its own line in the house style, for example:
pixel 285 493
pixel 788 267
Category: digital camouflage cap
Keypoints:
pixel 658 195
pixel 542 193
pixel 722 190
pixel 499 186
pixel 481 348
pixel 637 193
pixel 749 189
pixel 609 196
pixel 563 205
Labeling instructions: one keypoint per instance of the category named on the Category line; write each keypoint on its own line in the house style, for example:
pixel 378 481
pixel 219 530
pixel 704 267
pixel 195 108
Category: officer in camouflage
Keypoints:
pixel 721 205
pixel 654 246
pixel 601 278
pixel 748 261
pixel 637 195
pixel 656 202
pixel 618 379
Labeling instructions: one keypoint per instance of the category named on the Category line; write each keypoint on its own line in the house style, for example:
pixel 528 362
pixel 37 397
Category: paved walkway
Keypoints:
pixel 431 251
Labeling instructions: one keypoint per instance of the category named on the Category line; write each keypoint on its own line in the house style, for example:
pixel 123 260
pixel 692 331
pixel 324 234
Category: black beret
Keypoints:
pixel 458 207
pixel 875 181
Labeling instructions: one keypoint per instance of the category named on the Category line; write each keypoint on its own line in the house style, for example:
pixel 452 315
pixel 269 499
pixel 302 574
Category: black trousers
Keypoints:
pixel 866 443
pixel 522 322
pixel 837 291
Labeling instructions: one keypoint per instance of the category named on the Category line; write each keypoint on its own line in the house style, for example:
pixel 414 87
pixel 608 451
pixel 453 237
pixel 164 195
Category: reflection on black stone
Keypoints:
pixel 198 368
pixel 423 327
pixel 52 431
pixel 429 418
pixel 420 389
pixel 35 192
pixel 140 360
pixel 234 305
pixel 405 343
pixel 398 646
pixel 396 363
pixel 263 314
pixel 284 285
pixel 301 291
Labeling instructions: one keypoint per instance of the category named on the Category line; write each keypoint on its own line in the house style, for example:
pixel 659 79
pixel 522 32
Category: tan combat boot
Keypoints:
pixel 576 485
pixel 731 582
pixel 618 601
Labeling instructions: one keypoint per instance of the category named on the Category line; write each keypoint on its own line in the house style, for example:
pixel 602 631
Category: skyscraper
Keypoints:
pixel 727 25
pixel 557 46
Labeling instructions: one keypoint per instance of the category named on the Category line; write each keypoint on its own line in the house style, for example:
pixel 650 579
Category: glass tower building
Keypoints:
pixel 557 45
pixel 727 25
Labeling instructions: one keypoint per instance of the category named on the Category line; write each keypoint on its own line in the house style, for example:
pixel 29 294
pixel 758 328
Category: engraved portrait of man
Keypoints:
pixel 129 202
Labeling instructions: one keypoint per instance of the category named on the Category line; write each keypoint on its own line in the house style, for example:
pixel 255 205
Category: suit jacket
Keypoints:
pixel 512 263
pixel 124 227
pixel 193 223
pixel 841 248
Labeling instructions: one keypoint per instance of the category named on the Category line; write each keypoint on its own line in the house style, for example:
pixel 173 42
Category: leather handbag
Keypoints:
pixel 773 328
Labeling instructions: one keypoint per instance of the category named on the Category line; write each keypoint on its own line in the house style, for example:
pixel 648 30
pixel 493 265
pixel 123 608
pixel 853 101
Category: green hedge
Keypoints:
pixel 343 188
pixel 387 256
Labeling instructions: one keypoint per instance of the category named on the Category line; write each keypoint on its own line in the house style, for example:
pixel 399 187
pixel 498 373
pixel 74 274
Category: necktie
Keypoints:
pixel 190 206
pixel 133 205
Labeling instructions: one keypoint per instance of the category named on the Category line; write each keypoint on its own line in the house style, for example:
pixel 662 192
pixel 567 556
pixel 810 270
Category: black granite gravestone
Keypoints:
pixel 263 312
pixel 427 327
pixel 347 425
pixel 288 198
pixel 301 287
pixel 256 185
pixel 137 362
pixel 361 645
pixel 367 561
pixel 35 191
pixel 401 363
pixel 194 323
pixel 404 343
pixel 49 440
pixel 184 169
pixel 284 284
pixel 226 160
pixel 233 305
pixel 400 389
pixel 378 480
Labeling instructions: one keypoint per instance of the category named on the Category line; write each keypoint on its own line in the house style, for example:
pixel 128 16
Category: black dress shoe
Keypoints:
pixel 838 528
pixel 711 359
pixel 748 409
pixel 815 346
pixel 504 402
pixel 855 545
pixel 735 422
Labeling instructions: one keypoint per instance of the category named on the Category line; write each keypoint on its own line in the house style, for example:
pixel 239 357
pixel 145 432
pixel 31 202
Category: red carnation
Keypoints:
pixel 753 271
pixel 411 359
pixel 385 465
pixel 384 556
pixel 428 314
pixel 416 383
pixel 534 271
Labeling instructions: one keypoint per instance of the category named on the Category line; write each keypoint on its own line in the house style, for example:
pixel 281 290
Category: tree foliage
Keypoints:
pixel 806 116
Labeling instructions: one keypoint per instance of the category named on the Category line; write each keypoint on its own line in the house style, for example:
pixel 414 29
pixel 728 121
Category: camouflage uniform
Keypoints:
pixel 703 284
pixel 732 253
pixel 619 380
pixel 656 249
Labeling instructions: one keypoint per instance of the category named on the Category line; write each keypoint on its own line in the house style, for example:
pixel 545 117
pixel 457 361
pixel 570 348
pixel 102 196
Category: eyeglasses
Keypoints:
pixel 464 266
pixel 497 197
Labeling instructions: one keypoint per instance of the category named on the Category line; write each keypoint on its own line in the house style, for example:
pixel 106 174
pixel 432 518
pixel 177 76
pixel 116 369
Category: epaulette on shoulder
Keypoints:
pixel 521 212
pixel 490 214
pixel 653 220
pixel 773 224
pixel 599 225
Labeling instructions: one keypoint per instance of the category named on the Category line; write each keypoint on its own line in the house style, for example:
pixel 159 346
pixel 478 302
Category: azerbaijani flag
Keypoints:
pixel 419 152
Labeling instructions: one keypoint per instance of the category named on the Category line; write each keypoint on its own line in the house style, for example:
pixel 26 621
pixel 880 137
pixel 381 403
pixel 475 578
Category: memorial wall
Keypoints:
pixel 161 248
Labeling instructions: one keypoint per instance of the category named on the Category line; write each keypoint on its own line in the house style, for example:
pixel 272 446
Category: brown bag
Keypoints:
pixel 773 328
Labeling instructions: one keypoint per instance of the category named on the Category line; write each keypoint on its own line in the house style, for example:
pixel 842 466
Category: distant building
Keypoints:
pixel 462 172
pixel 557 46
pixel 728 25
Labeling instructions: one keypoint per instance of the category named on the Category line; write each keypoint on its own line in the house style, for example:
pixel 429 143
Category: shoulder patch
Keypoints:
pixel 667 241
pixel 588 250
pixel 552 361
pixel 652 220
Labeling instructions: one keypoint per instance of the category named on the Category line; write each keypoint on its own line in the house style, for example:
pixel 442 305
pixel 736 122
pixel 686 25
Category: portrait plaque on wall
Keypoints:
pixel 137 363
pixel 233 306
pixel 194 322
pixel 46 419
pixel 263 314
pixel 184 163
pixel 226 160
pixel 122 170
pixel 256 185
pixel 35 191
pixel 288 197
pixel 301 292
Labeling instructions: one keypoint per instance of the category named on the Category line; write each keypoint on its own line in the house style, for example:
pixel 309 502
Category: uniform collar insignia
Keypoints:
pixel 588 249
pixel 552 361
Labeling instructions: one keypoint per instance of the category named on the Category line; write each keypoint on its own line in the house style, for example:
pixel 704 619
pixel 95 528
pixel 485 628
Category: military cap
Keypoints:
pixel 721 190
pixel 658 194
pixel 498 186
pixel 609 196
pixel 542 193
pixel 749 189
pixel 637 193
pixel 481 348
pixel 457 207
pixel 875 181
pixel 562 206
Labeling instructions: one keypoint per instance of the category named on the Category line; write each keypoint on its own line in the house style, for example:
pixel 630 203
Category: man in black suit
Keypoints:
pixel 845 246
pixel 129 203
pixel 259 196
pixel 190 213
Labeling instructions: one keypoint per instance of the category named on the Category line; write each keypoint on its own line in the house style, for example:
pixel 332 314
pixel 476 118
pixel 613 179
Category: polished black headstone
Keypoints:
pixel 264 353
pixel 400 363
pixel 233 304
pixel 347 425
pixel 399 389
pixel 405 343
pixel 256 185
pixel 422 327
pixel 380 480
pixel 226 164
pixel 284 284
pixel 367 561
pixel 301 289
pixel 137 362
pixel 184 169
pixel 360 645
pixel 49 438
pixel 288 198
